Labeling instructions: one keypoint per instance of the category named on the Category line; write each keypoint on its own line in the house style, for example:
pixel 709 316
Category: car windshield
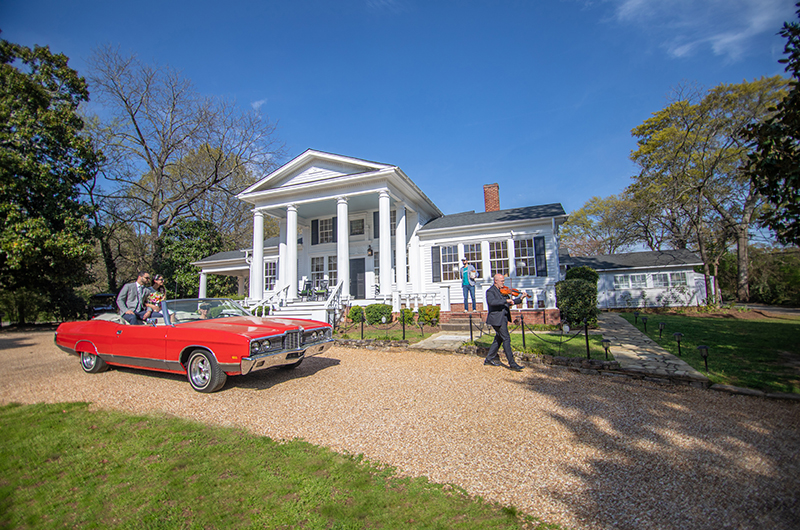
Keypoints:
pixel 191 309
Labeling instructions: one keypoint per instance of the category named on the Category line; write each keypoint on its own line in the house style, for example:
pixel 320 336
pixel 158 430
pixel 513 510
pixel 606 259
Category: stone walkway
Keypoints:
pixel 637 353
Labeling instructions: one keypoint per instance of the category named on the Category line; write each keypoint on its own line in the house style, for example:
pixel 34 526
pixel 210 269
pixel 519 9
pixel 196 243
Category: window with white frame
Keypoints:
pixel 524 257
pixel 270 275
pixel 356 227
pixel 472 251
pixel 498 257
pixel 376 265
pixel 622 281
pixel 661 280
pixel 677 279
pixel 317 270
pixel 638 281
pixel 449 262
pixel 326 230
pixel 393 222
pixel 332 271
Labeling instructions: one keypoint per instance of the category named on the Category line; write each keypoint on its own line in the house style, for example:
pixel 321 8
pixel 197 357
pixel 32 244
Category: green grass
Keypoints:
pixel 745 353
pixel 553 344
pixel 63 465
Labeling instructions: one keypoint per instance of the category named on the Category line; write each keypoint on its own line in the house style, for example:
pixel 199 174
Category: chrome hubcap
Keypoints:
pixel 88 360
pixel 200 371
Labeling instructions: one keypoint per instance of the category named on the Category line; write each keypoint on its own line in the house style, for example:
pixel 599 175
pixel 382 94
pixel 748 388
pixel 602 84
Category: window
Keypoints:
pixel 332 271
pixel 270 275
pixel 524 257
pixel 677 279
pixel 472 251
pixel 621 281
pixel 661 280
pixel 638 281
pixel 326 230
pixel 376 224
pixel 498 257
pixel 317 270
pixel 376 264
pixel 356 227
pixel 450 263
pixel 393 222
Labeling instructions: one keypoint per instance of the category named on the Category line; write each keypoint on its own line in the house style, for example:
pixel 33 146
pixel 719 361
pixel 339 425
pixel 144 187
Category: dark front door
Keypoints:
pixel 358 281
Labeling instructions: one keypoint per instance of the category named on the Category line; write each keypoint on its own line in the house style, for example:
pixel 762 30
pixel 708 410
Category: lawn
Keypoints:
pixel 62 465
pixel 742 352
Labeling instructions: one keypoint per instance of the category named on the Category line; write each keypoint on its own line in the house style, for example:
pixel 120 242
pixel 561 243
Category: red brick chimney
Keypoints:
pixel 491 197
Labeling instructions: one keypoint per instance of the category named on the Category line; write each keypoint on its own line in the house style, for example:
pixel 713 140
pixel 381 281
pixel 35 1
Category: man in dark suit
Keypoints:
pixel 499 316
pixel 130 300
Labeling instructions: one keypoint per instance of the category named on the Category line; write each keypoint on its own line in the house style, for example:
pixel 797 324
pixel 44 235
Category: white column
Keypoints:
pixel 257 265
pixel 342 244
pixel 203 285
pixel 291 251
pixel 414 261
pixel 384 208
pixel 512 260
pixel 282 259
pixel 239 285
pixel 400 245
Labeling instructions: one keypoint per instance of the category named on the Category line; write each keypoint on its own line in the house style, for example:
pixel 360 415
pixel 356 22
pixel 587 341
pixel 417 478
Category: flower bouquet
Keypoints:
pixel 156 298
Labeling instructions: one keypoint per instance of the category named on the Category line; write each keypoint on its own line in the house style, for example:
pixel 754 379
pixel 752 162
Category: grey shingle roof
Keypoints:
pixel 481 218
pixel 634 260
pixel 238 254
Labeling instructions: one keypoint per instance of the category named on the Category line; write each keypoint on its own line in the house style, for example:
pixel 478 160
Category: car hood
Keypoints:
pixel 252 326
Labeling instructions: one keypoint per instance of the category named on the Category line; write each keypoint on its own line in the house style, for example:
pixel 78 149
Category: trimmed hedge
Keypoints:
pixel 356 313
pixel 428 315
pixel 577 301
pixel 583 273
pixel 407 316
pixel 375 313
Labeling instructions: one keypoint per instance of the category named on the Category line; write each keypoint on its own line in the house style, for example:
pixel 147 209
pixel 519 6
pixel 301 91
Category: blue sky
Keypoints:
pixel 539 96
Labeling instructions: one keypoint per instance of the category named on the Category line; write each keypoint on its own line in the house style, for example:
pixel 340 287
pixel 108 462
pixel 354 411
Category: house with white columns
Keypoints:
pixel 368 233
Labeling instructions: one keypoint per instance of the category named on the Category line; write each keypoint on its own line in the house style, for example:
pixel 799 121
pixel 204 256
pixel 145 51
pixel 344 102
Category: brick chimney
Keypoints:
pixel 491 197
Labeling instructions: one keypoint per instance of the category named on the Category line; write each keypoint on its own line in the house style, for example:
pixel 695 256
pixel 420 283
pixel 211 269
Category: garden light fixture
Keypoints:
pixel 704 353
pixel 678 335
pixel 606 345
pixel 644 321
pixel 660 328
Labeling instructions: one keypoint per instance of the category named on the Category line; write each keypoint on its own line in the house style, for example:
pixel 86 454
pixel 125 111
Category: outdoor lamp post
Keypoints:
pixel 678 335
pixel 704 353
pixel 644 321
pixel 660 328
pixel 606 345
pixel 635 317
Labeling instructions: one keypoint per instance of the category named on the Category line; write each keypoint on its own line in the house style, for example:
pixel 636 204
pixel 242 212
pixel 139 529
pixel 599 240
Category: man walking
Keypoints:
pixel 130 300
pixel 499 316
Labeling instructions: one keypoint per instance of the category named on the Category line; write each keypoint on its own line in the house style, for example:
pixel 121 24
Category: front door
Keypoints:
pixel 358 280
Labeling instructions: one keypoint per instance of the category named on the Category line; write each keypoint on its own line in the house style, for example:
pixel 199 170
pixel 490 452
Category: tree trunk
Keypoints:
pixel 111 266
pixel 742 279
pixel 706 272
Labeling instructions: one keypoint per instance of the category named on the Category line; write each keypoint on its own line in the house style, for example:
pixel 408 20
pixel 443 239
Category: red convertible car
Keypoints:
pixel 207 339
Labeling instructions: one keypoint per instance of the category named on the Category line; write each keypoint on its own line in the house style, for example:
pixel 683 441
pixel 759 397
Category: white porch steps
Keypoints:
pixel 311 310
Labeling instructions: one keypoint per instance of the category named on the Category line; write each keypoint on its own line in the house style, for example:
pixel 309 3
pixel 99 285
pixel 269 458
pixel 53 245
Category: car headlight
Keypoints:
pixel 254 347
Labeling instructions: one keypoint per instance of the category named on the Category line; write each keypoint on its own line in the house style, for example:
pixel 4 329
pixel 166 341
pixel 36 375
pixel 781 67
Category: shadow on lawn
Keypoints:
pixel 696 455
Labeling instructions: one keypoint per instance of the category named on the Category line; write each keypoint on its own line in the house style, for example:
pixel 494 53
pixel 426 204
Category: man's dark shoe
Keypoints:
pixel 492 363
pixel 516 367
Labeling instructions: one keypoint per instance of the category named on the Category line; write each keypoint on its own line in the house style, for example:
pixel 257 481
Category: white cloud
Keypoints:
pixel 686 27
pixel 257 104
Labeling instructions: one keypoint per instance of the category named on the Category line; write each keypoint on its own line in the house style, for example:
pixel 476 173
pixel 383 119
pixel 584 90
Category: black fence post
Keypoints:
pixel 522 321
pixel 362 325
pixel 586 333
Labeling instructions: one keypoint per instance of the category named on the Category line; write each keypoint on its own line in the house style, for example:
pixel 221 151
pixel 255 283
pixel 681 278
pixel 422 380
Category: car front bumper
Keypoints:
pixel 282 357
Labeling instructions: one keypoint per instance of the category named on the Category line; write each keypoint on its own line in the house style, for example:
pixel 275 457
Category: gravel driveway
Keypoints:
pixel 581 451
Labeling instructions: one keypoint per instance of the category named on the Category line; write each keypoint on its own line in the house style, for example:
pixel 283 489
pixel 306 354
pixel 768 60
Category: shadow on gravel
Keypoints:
pixel 15 342
pixel 677 457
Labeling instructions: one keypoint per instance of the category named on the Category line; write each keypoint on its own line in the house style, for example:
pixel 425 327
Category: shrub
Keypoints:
pixel 428 315
pixel 577 300
pixel 407 317
pixel 376 312
pixel 356 313
pixel 583 273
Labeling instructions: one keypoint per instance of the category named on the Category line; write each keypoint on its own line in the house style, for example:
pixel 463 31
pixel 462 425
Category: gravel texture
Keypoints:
pixel 578 450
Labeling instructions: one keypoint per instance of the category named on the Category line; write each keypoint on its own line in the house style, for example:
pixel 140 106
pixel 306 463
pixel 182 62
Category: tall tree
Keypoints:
pixel 45 241
pixel 775 161
pixel 601 226
pixel 172 147
pixel 692 152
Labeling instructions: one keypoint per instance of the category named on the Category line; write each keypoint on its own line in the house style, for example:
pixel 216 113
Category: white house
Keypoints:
pixel 371 234
pixel 646 279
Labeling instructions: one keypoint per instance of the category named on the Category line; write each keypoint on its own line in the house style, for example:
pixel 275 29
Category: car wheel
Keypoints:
pixel 291 366
pixel 204 373
pixel 92 364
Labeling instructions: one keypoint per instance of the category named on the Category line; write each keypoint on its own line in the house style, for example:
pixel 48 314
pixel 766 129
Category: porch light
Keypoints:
pixel 369 250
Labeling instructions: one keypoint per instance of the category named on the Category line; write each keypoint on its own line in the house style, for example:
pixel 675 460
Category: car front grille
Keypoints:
pixel 291 340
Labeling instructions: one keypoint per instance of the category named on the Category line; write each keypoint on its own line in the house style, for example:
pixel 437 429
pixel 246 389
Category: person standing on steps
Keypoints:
pixel 468 275
pixel 499 315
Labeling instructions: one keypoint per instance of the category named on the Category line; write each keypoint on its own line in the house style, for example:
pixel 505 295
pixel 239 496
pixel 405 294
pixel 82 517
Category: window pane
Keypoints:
pixel 639 281
pixel 677 278
pixel 472 251
pixel 332 268
pixel 326 230
pixel 661 280
pixel 449 263
pixel 524 258
pixel 621 281
pixel 498 257
pixel 356 227
pixel 270 275
pixel 317 270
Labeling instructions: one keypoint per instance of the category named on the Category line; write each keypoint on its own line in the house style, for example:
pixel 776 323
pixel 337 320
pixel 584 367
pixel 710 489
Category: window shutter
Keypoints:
pixel 335 232
pixel 436 264
pixel 315 232
pixel 541 256
pixel 376 225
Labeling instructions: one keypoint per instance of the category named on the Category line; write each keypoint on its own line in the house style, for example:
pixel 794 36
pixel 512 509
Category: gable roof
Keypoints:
pixel 271 242
pixel 471 218
pixel 640 260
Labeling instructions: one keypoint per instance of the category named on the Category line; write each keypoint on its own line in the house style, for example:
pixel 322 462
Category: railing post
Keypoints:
pixel 522 321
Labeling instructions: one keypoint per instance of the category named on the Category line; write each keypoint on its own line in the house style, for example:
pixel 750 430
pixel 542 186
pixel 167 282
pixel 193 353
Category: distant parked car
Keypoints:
pixel 207 339
pixel 102 303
